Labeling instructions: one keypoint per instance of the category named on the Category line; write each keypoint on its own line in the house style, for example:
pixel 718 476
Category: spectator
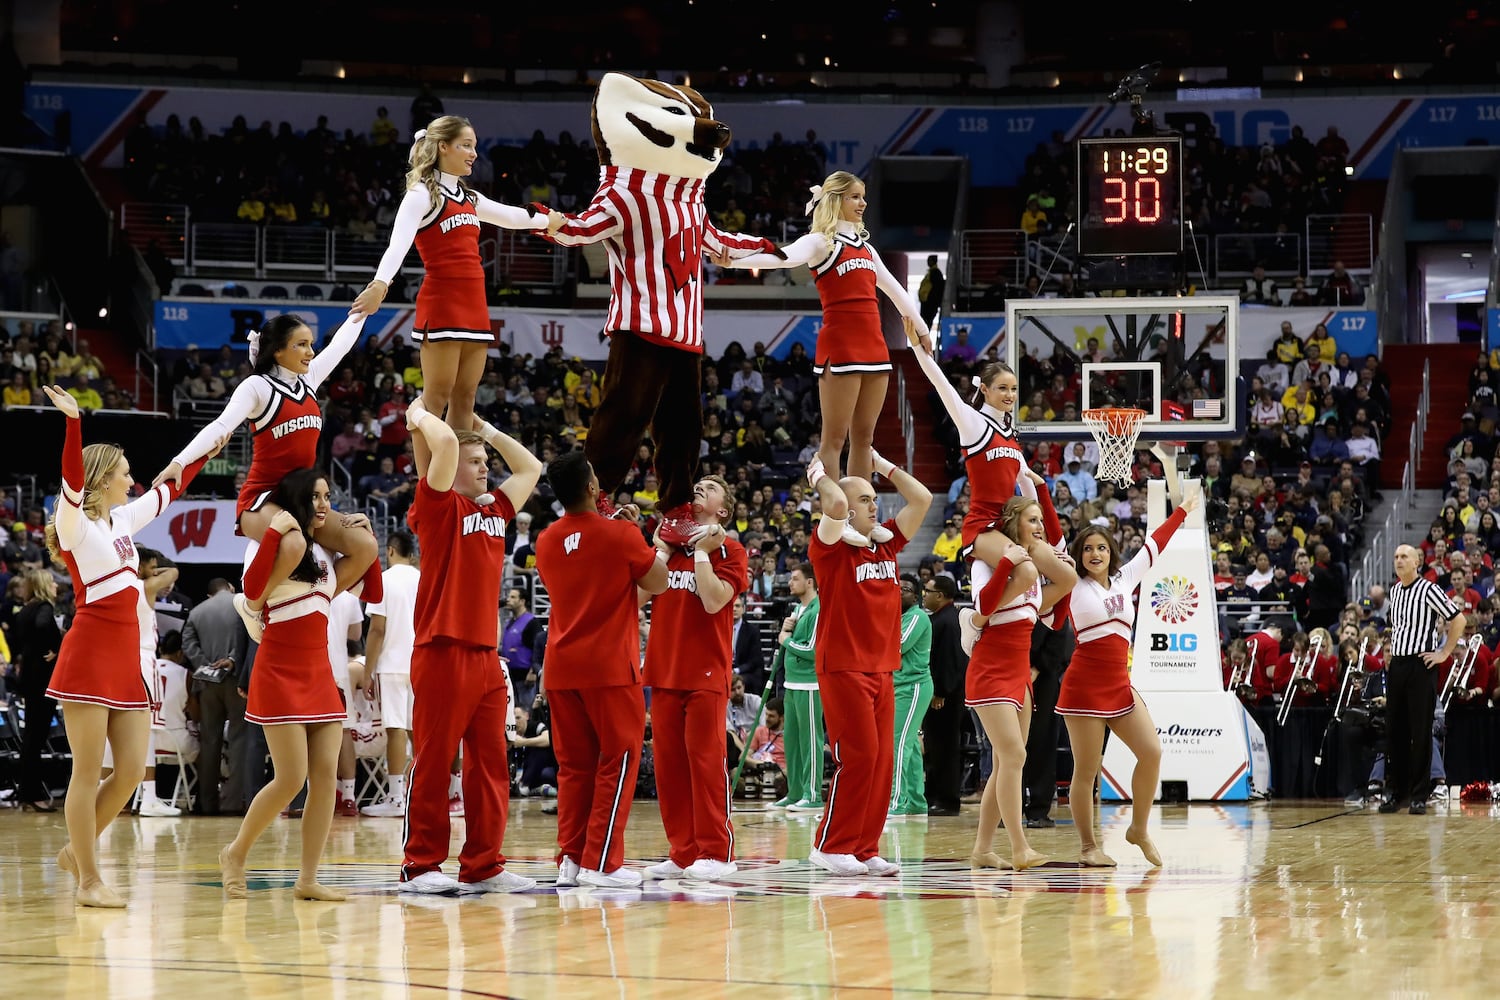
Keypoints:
pixel 1364 450
pixel 949 544
pixel 1273 372
pixel 87 396
pixel 1328 448
pixel 1339 288
pixel 749 659
pixel 742 712
pixel 215 643
pixel 1300 297
pixel 930 292
pixel 206 385
pixel 1259 290
pixel 17 391
pixel 767 746
pixel 1033 219
pixel 1288 346
pixel 1079 481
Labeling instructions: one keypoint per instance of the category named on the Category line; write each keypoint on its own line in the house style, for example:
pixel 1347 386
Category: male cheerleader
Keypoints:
pixel 688 657
pixel 858 650
pixel 592 567
pixel 803 734
pixel 913 693
pixel 459 689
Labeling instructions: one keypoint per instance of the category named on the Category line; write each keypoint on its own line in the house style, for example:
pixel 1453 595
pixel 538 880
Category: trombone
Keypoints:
pixel 1302 672
pixel 1348 686
pixel 1240 677
pixel 1460 672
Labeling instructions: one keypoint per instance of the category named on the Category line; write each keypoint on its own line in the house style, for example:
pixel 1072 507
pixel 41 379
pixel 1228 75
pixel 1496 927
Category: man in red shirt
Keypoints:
pixel 688 657
pixel 1465 596
pixel 857 649
pixel 460 692
pixel 1265 651
pixel 592 567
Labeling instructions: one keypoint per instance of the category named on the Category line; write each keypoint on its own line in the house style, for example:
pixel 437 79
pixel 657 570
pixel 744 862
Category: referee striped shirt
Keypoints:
pixel 1416 613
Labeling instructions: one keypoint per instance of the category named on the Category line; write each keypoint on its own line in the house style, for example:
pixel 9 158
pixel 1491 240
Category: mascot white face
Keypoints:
pixel 655 126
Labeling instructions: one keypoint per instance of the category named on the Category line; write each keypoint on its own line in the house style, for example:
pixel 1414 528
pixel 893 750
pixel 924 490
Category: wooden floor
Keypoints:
pixel 1283 900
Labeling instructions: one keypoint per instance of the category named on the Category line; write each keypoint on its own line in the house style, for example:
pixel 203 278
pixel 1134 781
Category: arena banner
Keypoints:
pixel 1492 329
pixel 196 531
pixel 94 120
pixel 1204 742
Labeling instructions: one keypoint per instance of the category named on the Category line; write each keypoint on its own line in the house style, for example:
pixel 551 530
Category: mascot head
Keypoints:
pixel 655 126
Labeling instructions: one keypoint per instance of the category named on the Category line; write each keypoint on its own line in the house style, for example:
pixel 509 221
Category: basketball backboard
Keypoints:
pixel 1175 358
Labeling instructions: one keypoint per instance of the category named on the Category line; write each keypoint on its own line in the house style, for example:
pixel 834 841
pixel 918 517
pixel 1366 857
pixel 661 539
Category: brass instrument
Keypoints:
pixel 1458 676
pixel 1240 676
pixel 1347 686
pixel 1302 671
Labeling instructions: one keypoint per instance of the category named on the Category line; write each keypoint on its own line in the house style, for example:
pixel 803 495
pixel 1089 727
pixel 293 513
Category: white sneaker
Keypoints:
pixel 968 632
pixel 666 869
pixel 805 806
pixel 456 805
pixel 709 870
pixel 567 873
pixel 503 881
pixel 156 807
pixel 385 807
pixel 846 865
pixel 880 866
pixel 253 623
pixel 620 878
pixel 431 884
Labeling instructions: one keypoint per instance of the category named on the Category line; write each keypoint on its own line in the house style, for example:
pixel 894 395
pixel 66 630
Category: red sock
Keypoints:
pixel 990 593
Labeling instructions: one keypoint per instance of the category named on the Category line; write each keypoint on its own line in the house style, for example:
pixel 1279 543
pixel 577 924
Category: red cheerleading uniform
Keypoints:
pixel 1097 681
pixel 460 693
pixel 857 650
pixel 993 464
pixel 284 438
pixel 99 662
pixel 451 303
pixel 1000 667
pixel 850 341
pixel 688 665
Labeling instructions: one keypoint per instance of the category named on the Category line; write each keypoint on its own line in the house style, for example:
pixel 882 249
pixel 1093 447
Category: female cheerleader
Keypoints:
pixel 993 461
pixel 98 669
pixel 441 214
pixel 852 362
pixel 1096 689
pixel 292 690
pixel 998 685
pixel 280 401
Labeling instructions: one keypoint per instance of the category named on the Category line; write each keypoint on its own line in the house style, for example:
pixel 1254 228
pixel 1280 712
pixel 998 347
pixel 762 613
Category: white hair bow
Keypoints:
pixel 254 346
pixel 978 382
pixel 817 196
pixel 421 134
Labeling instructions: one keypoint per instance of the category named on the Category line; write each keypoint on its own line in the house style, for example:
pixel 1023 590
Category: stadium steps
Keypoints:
pixel 1450 367
pixel 929 463
pixel 118 359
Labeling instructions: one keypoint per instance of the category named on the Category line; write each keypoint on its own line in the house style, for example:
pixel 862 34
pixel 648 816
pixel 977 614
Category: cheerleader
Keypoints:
pixel 993 462
pixel 98 669
pixel 292 691
pixel 280 401
pixel 852 363
pixel 441 214
pixel 1096 689
pixel 998 684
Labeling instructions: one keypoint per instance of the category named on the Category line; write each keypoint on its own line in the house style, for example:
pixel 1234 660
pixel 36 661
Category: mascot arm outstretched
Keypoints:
pixel 417 209
pixel 738 245
pixel 593 225
pixel 808 250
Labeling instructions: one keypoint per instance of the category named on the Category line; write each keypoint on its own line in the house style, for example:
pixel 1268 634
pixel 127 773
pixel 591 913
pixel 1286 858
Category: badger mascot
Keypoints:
pixel 657 144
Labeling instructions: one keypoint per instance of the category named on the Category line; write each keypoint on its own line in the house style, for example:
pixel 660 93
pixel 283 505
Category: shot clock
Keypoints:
pixel 1129 196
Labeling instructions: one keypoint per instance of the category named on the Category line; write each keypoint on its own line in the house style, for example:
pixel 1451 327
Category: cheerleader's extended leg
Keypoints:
pixel 1138 732
pixel 1086 737
pixel 838 395
pixel 867 407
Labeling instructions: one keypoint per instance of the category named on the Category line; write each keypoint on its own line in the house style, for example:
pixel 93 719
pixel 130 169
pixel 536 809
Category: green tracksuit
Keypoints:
pixel 802 735
pixel 913 684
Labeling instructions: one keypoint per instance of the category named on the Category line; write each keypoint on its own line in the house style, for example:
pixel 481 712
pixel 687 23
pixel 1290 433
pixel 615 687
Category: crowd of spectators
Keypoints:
pixel 32 356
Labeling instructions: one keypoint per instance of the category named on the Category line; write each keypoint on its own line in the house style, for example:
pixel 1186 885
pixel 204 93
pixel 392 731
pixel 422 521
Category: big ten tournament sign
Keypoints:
pixel 1208 740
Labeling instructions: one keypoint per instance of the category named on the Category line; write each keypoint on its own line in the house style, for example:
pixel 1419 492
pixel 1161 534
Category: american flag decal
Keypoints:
pixel 1211 409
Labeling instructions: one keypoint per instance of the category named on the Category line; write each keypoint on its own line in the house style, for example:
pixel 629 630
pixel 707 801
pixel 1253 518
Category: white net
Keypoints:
pixel 1116 430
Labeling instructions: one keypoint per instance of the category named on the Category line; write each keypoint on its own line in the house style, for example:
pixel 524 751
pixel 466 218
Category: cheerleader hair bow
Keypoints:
pixel 817 196
pixel 254 346
pixel 416 140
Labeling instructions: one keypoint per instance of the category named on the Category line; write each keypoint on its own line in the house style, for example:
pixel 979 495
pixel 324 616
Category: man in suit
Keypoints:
pixel 942 726
pixel 749 657
pixel 216 645
pixel 1050 652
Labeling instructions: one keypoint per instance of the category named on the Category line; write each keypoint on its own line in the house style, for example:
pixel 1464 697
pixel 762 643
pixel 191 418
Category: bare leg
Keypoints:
pixel 130 735
pixel 87 727
pixel 1002 793
pixel 862 428
pixel 396 751
pixel 838 395
pixel 317 816
pixel 440 363
pixel 289 551
pixel 1138 732
pixel 1086 736
pixel 466 380
pixel 289 746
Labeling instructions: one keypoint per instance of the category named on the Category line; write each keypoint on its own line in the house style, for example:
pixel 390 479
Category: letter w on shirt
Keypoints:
pixel 570 544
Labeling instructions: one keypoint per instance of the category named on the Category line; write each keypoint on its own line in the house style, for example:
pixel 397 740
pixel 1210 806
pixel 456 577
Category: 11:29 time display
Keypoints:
pixel 1130 195
pixel 1135 199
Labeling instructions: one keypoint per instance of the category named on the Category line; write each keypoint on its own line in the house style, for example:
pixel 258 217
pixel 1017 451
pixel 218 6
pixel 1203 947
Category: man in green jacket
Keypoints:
pixel 802 735
pixel 913 683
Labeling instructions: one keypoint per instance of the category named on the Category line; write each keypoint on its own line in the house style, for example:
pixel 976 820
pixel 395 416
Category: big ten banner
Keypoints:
pixel 1176 624
pixel 196 531
pixel 1205 742
pixel 94 121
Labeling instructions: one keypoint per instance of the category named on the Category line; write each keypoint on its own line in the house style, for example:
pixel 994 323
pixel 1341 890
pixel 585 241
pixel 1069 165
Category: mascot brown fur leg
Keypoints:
pixel 647 386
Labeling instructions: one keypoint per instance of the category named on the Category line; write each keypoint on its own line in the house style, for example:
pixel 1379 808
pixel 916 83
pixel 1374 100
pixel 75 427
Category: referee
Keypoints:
pixel 1417 606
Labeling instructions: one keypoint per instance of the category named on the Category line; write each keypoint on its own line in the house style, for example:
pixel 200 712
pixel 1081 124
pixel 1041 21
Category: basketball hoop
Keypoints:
pixel 1115 428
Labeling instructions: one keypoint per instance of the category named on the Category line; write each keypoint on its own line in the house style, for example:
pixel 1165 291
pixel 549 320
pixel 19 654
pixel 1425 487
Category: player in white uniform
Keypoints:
pixel 388 665
pixel 346 626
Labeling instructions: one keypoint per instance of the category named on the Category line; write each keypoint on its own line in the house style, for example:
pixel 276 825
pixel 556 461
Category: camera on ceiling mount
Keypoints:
pixel 1134 86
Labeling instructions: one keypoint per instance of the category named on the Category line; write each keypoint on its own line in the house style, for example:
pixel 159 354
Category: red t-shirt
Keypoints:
pixel 589 565
pixel 463 556
pixel 859 601
pixel 689 649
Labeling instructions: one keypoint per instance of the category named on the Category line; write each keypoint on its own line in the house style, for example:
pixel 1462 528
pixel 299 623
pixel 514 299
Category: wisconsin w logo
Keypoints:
pixel 191 529
pixel 680 256
pixel 570 544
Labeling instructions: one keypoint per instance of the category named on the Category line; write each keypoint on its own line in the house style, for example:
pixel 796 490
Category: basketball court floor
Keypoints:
pixel 1260 900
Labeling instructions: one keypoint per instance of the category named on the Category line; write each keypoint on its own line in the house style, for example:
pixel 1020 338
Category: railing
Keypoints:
pixel 167 224
pixel 993 257
pixel 1378 553
pixel 147 374
pixel 1237 254
pixel 1419 426
pixel 1346 238
pixel 903 411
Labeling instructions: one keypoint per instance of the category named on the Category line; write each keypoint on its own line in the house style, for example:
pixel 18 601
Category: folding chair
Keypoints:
pixel 10 756
pixel 369 747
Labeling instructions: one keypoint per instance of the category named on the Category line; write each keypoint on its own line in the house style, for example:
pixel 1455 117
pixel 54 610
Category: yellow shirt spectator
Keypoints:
pixel 413 377
pixel 587 393
pixel 1328 351
pixel 948 544
pixel 87 396
pixel 252 209
pixel 1033 219
pixel 17 394
pixel 1289 348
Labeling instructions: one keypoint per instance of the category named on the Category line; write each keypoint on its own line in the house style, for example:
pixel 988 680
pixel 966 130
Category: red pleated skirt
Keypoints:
pixel 1097 681
pixel 100 663
pixel 1000 666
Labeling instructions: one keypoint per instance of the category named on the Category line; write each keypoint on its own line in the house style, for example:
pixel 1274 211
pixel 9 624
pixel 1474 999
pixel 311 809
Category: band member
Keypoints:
pixel 1096 691
pixel 293 694
pixel 460 690
pixel 592 567
pixel 688 656
pixel 98 672
pixel 858 650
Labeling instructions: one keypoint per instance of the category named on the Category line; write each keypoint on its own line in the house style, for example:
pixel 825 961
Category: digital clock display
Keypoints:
pixel 1129 196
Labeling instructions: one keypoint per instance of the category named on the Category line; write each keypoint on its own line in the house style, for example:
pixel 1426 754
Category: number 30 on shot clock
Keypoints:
pixel 1129 196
